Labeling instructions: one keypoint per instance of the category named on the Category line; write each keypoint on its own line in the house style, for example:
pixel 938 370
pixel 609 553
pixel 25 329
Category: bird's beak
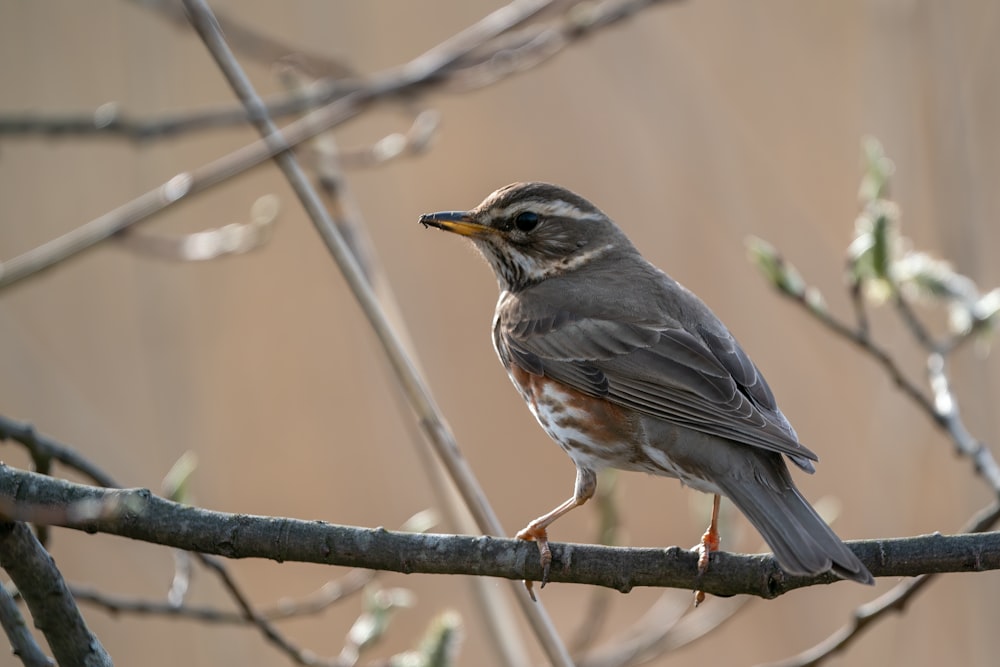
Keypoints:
pixel 459 222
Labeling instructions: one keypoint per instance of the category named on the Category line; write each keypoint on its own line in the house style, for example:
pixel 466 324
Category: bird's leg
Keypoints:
pixel 709 543
pixel 536 531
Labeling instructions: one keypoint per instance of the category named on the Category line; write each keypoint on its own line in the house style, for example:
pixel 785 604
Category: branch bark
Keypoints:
pixel 52 606
pixel 22 642
pixel 138 514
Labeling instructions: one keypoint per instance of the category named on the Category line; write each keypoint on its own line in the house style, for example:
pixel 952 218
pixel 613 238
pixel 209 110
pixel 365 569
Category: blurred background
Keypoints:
pixel 693 125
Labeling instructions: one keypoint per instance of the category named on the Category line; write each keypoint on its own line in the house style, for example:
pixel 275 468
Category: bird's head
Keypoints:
pixel 531 231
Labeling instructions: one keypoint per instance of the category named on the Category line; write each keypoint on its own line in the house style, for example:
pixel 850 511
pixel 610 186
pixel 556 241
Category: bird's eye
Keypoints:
pixel 525 221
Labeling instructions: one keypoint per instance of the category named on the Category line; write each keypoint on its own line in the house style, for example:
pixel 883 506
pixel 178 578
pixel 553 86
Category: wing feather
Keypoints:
pixel 705 382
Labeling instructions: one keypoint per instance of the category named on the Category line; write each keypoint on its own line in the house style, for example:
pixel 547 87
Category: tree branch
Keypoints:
pixel 140 515
pixel 41 446
pixel 941 408
pixel 21 640
pixel 52 606
pixel 872 258
pixel 314 603
pixel 895 599
pixel 415 388
pixel 429 70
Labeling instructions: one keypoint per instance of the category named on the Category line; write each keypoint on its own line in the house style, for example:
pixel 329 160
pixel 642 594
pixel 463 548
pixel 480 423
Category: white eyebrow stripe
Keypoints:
pixel 553 208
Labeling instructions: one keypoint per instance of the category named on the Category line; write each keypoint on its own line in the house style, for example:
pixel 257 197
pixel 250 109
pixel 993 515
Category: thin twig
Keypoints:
pixel 416 389
pixel 946 405
pixel 863 341
pixel 316 602
pixel 913 323
pixel 942 408
pixel 672 622
pixel 246 40
pixel 21 640
pixel 497 614
pixel 860 311
pixel 895 599
pixel 40 445
pixel 431 69
pixel 43 589
pixel 609 524
pixel 267 629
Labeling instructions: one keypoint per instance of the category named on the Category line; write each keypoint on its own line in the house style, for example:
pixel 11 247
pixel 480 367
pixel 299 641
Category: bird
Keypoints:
pixel 625 368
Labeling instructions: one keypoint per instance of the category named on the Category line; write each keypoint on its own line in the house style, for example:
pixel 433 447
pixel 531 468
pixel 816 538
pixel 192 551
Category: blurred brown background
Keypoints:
pixel 694 125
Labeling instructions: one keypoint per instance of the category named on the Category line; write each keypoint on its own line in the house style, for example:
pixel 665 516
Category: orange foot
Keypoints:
pixel 709 543
pixel 537 534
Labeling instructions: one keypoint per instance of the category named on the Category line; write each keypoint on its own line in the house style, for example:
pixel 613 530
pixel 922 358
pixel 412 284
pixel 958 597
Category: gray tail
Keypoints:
pixel 801 540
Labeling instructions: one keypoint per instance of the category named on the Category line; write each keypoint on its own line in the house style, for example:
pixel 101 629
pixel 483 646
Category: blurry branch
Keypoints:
pixel 893 600
pixel 672 622
pixel 428 71
pixel 113 504
pixel 438 648
pixel 110 121
pixel 41 586
pixel 244 39
pixel 884 267
pixel 316 602
pixel 379 604
pixel 233 239
pixel 328 164
pixel 608 527
pixel 146 517
pixel 43 448
pixel 431 419
pixel 265 627
pixel 22 642
pixel 489 51
pixel 176 486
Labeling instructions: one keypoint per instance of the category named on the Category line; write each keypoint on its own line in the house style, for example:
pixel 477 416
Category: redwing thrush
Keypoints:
pixel 625 368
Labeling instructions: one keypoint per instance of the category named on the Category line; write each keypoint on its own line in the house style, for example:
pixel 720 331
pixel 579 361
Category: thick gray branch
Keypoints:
pixel 140 515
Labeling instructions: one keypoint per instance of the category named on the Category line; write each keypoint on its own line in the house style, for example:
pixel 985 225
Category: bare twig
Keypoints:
pixel 232 239
pixel 246 40
pixel 110 121
pixel 913 323
pixel 21 640
pixel 941 407
pixel 946 406
pixel 860 312
pixel 609 524
pixel 316 602
pixel 494 606
pixel 267 629
pixel 426 71
pixel 416 389
pixel 895 599
pixel 669 624
pixel 42 446
pixel 52 607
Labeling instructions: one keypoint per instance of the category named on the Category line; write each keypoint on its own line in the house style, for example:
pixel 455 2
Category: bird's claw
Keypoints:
pixel 709 543
pixel 541 538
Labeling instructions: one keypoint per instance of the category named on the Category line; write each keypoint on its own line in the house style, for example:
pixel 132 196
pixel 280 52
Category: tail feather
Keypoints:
pixel 801 540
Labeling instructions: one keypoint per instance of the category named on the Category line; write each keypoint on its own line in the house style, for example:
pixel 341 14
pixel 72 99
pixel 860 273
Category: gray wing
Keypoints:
pixel 705 382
